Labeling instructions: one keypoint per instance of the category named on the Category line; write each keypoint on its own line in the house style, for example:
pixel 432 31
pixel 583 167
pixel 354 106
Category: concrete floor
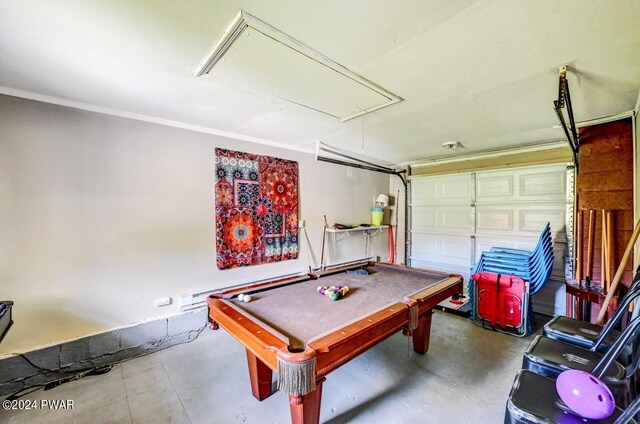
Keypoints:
pixel 465 378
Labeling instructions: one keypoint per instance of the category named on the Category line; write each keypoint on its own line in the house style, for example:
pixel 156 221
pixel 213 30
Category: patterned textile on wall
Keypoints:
pixel 256 209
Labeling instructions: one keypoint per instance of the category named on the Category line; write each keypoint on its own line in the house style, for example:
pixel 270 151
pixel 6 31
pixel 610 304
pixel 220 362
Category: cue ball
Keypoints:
pixel 246 298
pixel 241 297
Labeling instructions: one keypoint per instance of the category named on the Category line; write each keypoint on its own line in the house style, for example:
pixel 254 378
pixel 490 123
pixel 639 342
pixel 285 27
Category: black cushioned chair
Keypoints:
pixel 534 400
pixel 589 335
pixel 550 357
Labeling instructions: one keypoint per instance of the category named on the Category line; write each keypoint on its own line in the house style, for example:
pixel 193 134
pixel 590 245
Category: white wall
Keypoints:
pixel 100 216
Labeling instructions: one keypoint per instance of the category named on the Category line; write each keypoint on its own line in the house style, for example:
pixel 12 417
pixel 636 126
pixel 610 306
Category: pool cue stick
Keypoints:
pixel 609 256
pixel 579 250
pixel 635 266
pixel 590 240
pixel 323 259
pixel 616 278
pixel 586 306
pixel 392 253
pixel 590 245
pixel 306 236
pixel 603 249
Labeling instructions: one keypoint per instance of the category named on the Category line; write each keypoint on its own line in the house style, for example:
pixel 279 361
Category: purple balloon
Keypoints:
pixel 586 395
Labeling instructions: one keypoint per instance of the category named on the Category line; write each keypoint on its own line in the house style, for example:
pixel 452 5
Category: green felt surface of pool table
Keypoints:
pixel 301 314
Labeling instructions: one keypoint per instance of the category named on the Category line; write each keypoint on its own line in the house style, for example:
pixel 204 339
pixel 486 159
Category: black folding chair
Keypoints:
pixel 588 335
pixel 550 357
pixel 534 399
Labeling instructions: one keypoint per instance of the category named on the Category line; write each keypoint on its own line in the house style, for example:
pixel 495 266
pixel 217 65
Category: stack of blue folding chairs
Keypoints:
pixel 534 267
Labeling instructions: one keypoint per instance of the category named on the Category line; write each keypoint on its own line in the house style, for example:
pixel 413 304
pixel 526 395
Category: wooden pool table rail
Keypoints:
pixel 228 293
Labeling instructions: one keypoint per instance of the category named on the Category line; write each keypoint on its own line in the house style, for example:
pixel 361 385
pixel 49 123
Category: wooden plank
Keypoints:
pixel 604 137
pixel 606 181
pixel 618 200
pixel 608 145
pixel 613 161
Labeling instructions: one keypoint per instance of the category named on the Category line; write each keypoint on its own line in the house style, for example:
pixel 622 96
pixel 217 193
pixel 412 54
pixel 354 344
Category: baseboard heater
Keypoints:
pixel 191 301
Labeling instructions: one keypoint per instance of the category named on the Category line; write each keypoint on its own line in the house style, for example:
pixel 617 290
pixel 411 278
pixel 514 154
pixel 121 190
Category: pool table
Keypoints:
pixel 289 328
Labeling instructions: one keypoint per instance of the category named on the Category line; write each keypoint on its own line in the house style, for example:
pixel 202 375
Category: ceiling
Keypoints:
pixel 484 73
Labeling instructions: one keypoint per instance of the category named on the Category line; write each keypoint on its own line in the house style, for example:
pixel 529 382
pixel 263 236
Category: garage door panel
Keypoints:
pixel 424 218
pixel 522 185
pixel 485 243
pixel 521 219
pixel 423 245
pixel 455 219
pixel 451 190
pixel 547 185
pixel 442 248
pixel 494 187
pixel 456 189
pixel 423 192
pixel 454 248
pixel 533 219
pixel 493 219
pixel 443 219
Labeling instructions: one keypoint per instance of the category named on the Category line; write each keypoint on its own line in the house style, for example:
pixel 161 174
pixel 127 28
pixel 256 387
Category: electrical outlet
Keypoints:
pixel 301 223
pixel 163 302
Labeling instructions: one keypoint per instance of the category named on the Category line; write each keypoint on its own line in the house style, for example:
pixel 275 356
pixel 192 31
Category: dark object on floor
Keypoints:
pixel 456 305
pixel 6 320
pixel 358 271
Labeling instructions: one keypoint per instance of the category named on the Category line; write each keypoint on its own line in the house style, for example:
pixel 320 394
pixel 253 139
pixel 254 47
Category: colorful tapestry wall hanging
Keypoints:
pixel 256 209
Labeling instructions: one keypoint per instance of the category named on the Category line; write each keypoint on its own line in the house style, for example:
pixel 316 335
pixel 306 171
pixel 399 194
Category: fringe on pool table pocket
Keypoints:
pixel 413 317
pixel 297 378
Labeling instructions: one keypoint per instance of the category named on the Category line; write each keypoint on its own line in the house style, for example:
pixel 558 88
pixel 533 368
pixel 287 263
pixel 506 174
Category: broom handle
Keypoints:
pixel 590 244
pixel 616 279
pixel 603 249
pixel 609 255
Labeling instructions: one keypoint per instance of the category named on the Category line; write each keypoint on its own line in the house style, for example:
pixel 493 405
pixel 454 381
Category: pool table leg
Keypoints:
pixel 422 333
pixel 306 409
pixel 260 376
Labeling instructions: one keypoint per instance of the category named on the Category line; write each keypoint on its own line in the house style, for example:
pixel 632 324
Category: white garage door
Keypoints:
pixel 456 217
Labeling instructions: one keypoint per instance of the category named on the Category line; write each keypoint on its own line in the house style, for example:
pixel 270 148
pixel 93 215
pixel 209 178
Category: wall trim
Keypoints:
pixel 489 154
pixel 511 158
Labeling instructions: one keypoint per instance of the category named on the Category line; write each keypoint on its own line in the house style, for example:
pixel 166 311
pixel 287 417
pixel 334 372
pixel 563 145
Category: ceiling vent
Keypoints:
pixel 256 57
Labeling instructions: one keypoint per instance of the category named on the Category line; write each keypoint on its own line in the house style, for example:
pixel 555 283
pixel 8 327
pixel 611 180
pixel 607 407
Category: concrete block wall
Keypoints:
pixel 63 360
